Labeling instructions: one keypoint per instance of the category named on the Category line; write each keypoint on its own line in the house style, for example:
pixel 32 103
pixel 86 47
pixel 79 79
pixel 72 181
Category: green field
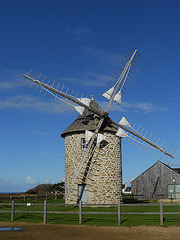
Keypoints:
pixel 91 219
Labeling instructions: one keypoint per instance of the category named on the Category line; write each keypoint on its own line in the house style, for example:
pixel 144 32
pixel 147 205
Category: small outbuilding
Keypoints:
pixel 159 181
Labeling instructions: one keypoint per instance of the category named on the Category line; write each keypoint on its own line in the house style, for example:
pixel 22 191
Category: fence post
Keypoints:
pixel 12 211
pixel 80 212
pixel 45 211
pixel 119 213
pixel 161 213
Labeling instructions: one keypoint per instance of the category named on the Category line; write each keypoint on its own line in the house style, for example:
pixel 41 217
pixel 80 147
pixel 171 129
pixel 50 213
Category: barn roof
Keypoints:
pixel 88 121
pixel 159 162
pixel 177 170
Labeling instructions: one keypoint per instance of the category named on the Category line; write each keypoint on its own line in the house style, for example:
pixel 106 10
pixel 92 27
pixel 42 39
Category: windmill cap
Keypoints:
pixel 88 121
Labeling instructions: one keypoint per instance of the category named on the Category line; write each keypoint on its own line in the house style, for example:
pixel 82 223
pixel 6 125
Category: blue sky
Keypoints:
pixel 79 43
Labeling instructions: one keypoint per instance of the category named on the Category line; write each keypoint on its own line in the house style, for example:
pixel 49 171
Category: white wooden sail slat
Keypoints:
pixel 108 93
pixel 121 133
pixel 79 109
pixel 88 135
pixel 124 122
pixel 117 97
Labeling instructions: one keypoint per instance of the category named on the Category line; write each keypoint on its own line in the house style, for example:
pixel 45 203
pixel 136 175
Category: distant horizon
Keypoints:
pixel 10 192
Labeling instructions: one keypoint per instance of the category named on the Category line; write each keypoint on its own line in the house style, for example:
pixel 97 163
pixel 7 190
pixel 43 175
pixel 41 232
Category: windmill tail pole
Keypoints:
pixel 142 138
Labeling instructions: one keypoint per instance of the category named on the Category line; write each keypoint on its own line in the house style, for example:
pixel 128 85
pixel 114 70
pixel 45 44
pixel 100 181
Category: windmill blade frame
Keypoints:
pixel 114 91
pixel 142 138
pixel 65 95
pixel 113 94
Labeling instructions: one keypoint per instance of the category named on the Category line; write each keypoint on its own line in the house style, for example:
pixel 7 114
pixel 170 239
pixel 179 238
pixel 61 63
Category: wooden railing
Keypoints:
pixel 80 211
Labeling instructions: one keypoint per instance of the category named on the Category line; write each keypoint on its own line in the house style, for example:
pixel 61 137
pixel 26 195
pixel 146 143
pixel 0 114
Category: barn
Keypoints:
pixel 159 181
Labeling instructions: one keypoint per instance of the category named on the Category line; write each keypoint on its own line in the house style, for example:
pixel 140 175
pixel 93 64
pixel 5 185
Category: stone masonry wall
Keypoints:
pixel 104 179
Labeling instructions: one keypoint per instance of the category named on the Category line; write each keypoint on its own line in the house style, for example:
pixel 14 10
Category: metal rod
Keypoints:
pixel 33 82
pixel 56 89
pixel 117 74
pixel 42 82
pixel 140 134
pixel 143 142
pixel 112 81
pixel 127 67
pixel 28 79
pixel 155 149
pixel 136 131
pixel 160 146
pixel 52 86
pixel 61 91
pixel 70 96
pixel 142 138
pixel 131 135
pixel 99 113
pixel 119 66
pixel 172 154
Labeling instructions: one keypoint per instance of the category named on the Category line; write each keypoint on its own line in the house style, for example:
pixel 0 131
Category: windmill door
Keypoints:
pixel 82 193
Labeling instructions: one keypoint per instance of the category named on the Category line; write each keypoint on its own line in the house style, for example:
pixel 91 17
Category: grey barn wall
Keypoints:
pixel 153 183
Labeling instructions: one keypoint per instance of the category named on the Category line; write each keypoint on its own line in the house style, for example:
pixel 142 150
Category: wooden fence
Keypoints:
pixel 31 197
pixel 80 211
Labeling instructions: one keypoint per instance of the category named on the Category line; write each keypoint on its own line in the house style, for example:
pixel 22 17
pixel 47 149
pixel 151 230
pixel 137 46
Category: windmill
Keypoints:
pixel 97 168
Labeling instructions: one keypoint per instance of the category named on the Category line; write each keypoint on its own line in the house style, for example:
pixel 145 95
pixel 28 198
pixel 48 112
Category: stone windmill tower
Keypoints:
pixel 93 167
pixel 104 178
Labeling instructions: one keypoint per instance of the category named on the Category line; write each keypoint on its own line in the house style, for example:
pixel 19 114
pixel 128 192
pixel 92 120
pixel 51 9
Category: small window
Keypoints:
pixel 84 145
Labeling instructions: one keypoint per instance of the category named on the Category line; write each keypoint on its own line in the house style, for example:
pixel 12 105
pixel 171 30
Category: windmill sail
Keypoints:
pixel 101 114
pixel 121 133
pixel 108 93
pixel 100 138
pixel 115 92
pixel 117 97
pixel 124 122
pixel 55 92
pixel 141 137
pixel 88 135
pixel 85 101
pixel 79 109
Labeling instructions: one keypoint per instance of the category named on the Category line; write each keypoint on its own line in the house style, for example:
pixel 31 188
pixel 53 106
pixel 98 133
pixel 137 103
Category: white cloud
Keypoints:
pixel 102 55
pixel 31 133
pixel 32 103
pixel 4 182
pixel 82 31
pixel 9 79
pixel 79 31
pixel 30 180
pixel 145 107
pixel 89 79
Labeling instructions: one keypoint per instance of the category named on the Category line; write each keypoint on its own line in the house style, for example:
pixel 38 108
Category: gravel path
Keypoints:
pixel 67 232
